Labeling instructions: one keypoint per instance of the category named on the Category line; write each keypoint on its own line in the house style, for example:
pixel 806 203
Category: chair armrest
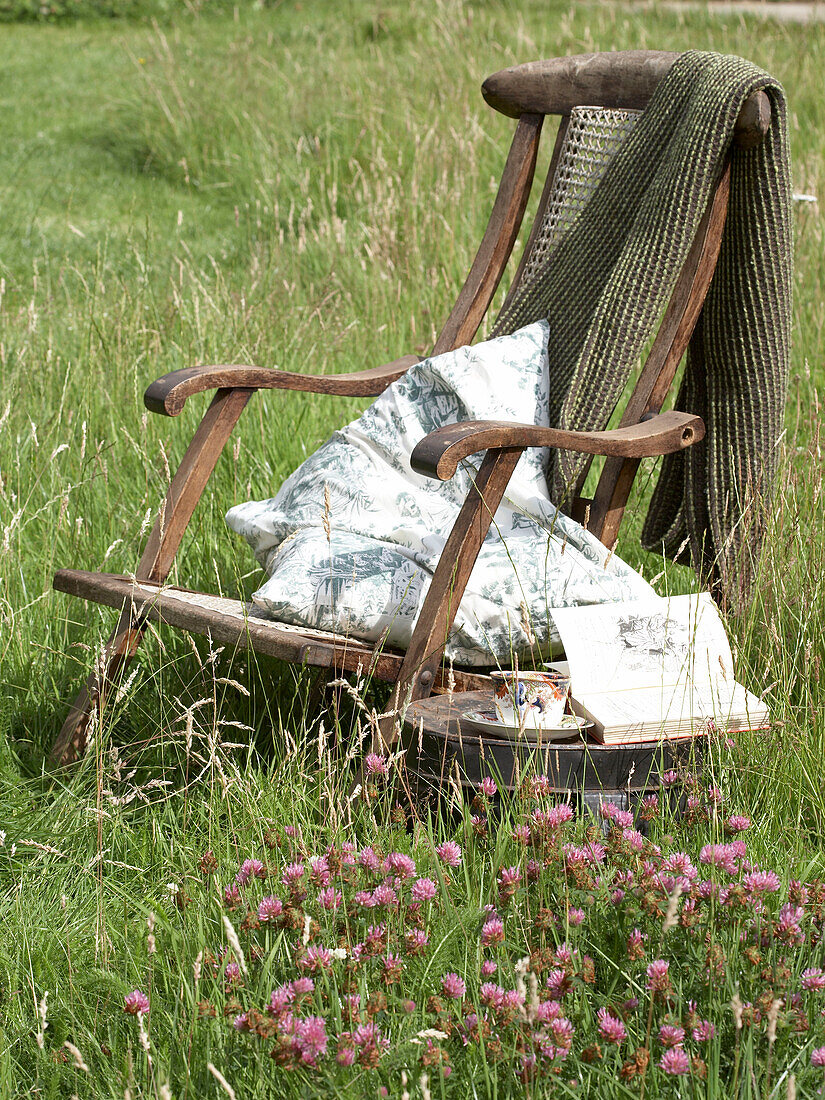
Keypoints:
pixel 439 453
pixel 169 394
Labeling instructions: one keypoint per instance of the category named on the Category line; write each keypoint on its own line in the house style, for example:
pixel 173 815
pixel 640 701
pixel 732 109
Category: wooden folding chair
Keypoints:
pixel 613 87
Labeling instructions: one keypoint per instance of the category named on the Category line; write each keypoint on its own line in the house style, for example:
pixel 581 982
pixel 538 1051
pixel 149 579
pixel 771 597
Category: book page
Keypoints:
pixel 683 707
pixel 650 643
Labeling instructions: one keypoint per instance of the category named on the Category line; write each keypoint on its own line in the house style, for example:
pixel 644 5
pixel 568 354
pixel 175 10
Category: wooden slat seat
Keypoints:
pixel 238 624
pixel 228 621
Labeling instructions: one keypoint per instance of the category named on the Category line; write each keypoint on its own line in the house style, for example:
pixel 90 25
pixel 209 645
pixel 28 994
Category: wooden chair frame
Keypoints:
pixel 527 93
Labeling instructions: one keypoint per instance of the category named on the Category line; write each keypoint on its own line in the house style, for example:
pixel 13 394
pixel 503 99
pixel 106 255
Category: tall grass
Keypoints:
pixel 301 187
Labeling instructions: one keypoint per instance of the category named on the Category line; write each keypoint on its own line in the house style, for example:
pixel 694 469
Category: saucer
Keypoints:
pixel 488 721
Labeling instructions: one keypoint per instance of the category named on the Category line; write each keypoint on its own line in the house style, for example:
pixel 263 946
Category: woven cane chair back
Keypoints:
pixel 587 141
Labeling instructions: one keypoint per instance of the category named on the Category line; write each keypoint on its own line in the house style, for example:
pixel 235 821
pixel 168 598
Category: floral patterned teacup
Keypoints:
pixel 532 700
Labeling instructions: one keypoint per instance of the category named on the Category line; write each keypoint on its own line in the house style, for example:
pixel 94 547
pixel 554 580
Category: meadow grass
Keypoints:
pixel 301 186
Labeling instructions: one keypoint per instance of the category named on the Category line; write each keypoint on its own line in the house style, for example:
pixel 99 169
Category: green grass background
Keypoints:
pixel 300 185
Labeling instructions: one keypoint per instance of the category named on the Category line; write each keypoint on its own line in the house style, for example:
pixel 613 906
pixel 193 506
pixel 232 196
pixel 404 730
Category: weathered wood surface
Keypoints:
pixel 439 453
pixel 243 626
pixel 659 371
pixel 753 122
pixel 189 482
pixel 438 741
pixel 168 395
pixel 499 238
pixel 623 79
pixel 234 622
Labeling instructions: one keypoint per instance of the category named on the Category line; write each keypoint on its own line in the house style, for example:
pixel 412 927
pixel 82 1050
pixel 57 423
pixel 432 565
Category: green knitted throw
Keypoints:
pixel 609 278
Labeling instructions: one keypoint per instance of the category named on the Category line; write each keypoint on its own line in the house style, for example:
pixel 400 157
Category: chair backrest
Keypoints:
pixel 587 140
pixel 598 97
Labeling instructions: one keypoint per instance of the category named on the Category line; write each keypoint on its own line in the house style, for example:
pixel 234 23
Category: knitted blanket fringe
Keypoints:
pixel 609 278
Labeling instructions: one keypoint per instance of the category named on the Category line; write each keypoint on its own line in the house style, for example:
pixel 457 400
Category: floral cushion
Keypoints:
pixel 352 538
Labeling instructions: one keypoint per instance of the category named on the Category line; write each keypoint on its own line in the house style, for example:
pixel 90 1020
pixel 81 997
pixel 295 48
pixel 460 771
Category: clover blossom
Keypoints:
pixel 392 968
pixel 491 994
pixel 558 982
pixel 509 878
pixel 136 1003
pixel 788 927
pixel 423 889
pixel 680 865
pixel 250 868
pixel 724 856
pixel 330 898
pixel 416 940
pixel 449 853
pixel 376 765
pixel 584 855
pixel 453 986
pixel 548 1010
pixel 611 1029
pixel 611 812
pixel 368 859
pixel 319 874
pixel 704 1031
pixel 634 838
pixel 492 931
pixel 813 980
pixel 310 1039
pixel 269 908
pixel 280 999
pixel 384 895
pixel 315 959
pixel 675 1062
pixel 401 864
pixel 657 976
pixel 538 786
pixel 558 815
pixel 562 1031
pixel 671 1035
pixel 293 872
pixel 761 882
pixel 635 945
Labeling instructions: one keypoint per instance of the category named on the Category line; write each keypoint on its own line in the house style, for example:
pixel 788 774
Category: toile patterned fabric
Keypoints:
pixel 366 576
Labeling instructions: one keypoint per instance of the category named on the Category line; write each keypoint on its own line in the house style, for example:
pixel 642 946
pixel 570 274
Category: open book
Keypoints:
pixel 649 669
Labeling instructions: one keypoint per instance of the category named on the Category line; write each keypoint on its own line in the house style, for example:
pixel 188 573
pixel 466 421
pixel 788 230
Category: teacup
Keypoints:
pixel 531 700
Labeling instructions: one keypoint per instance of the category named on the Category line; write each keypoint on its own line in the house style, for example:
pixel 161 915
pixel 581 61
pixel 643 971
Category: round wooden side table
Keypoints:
pixel 445 750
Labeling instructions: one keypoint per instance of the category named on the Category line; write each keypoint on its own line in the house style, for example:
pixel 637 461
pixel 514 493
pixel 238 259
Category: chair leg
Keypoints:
pixel 421 663
pixel 117 655
pixel 183 495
